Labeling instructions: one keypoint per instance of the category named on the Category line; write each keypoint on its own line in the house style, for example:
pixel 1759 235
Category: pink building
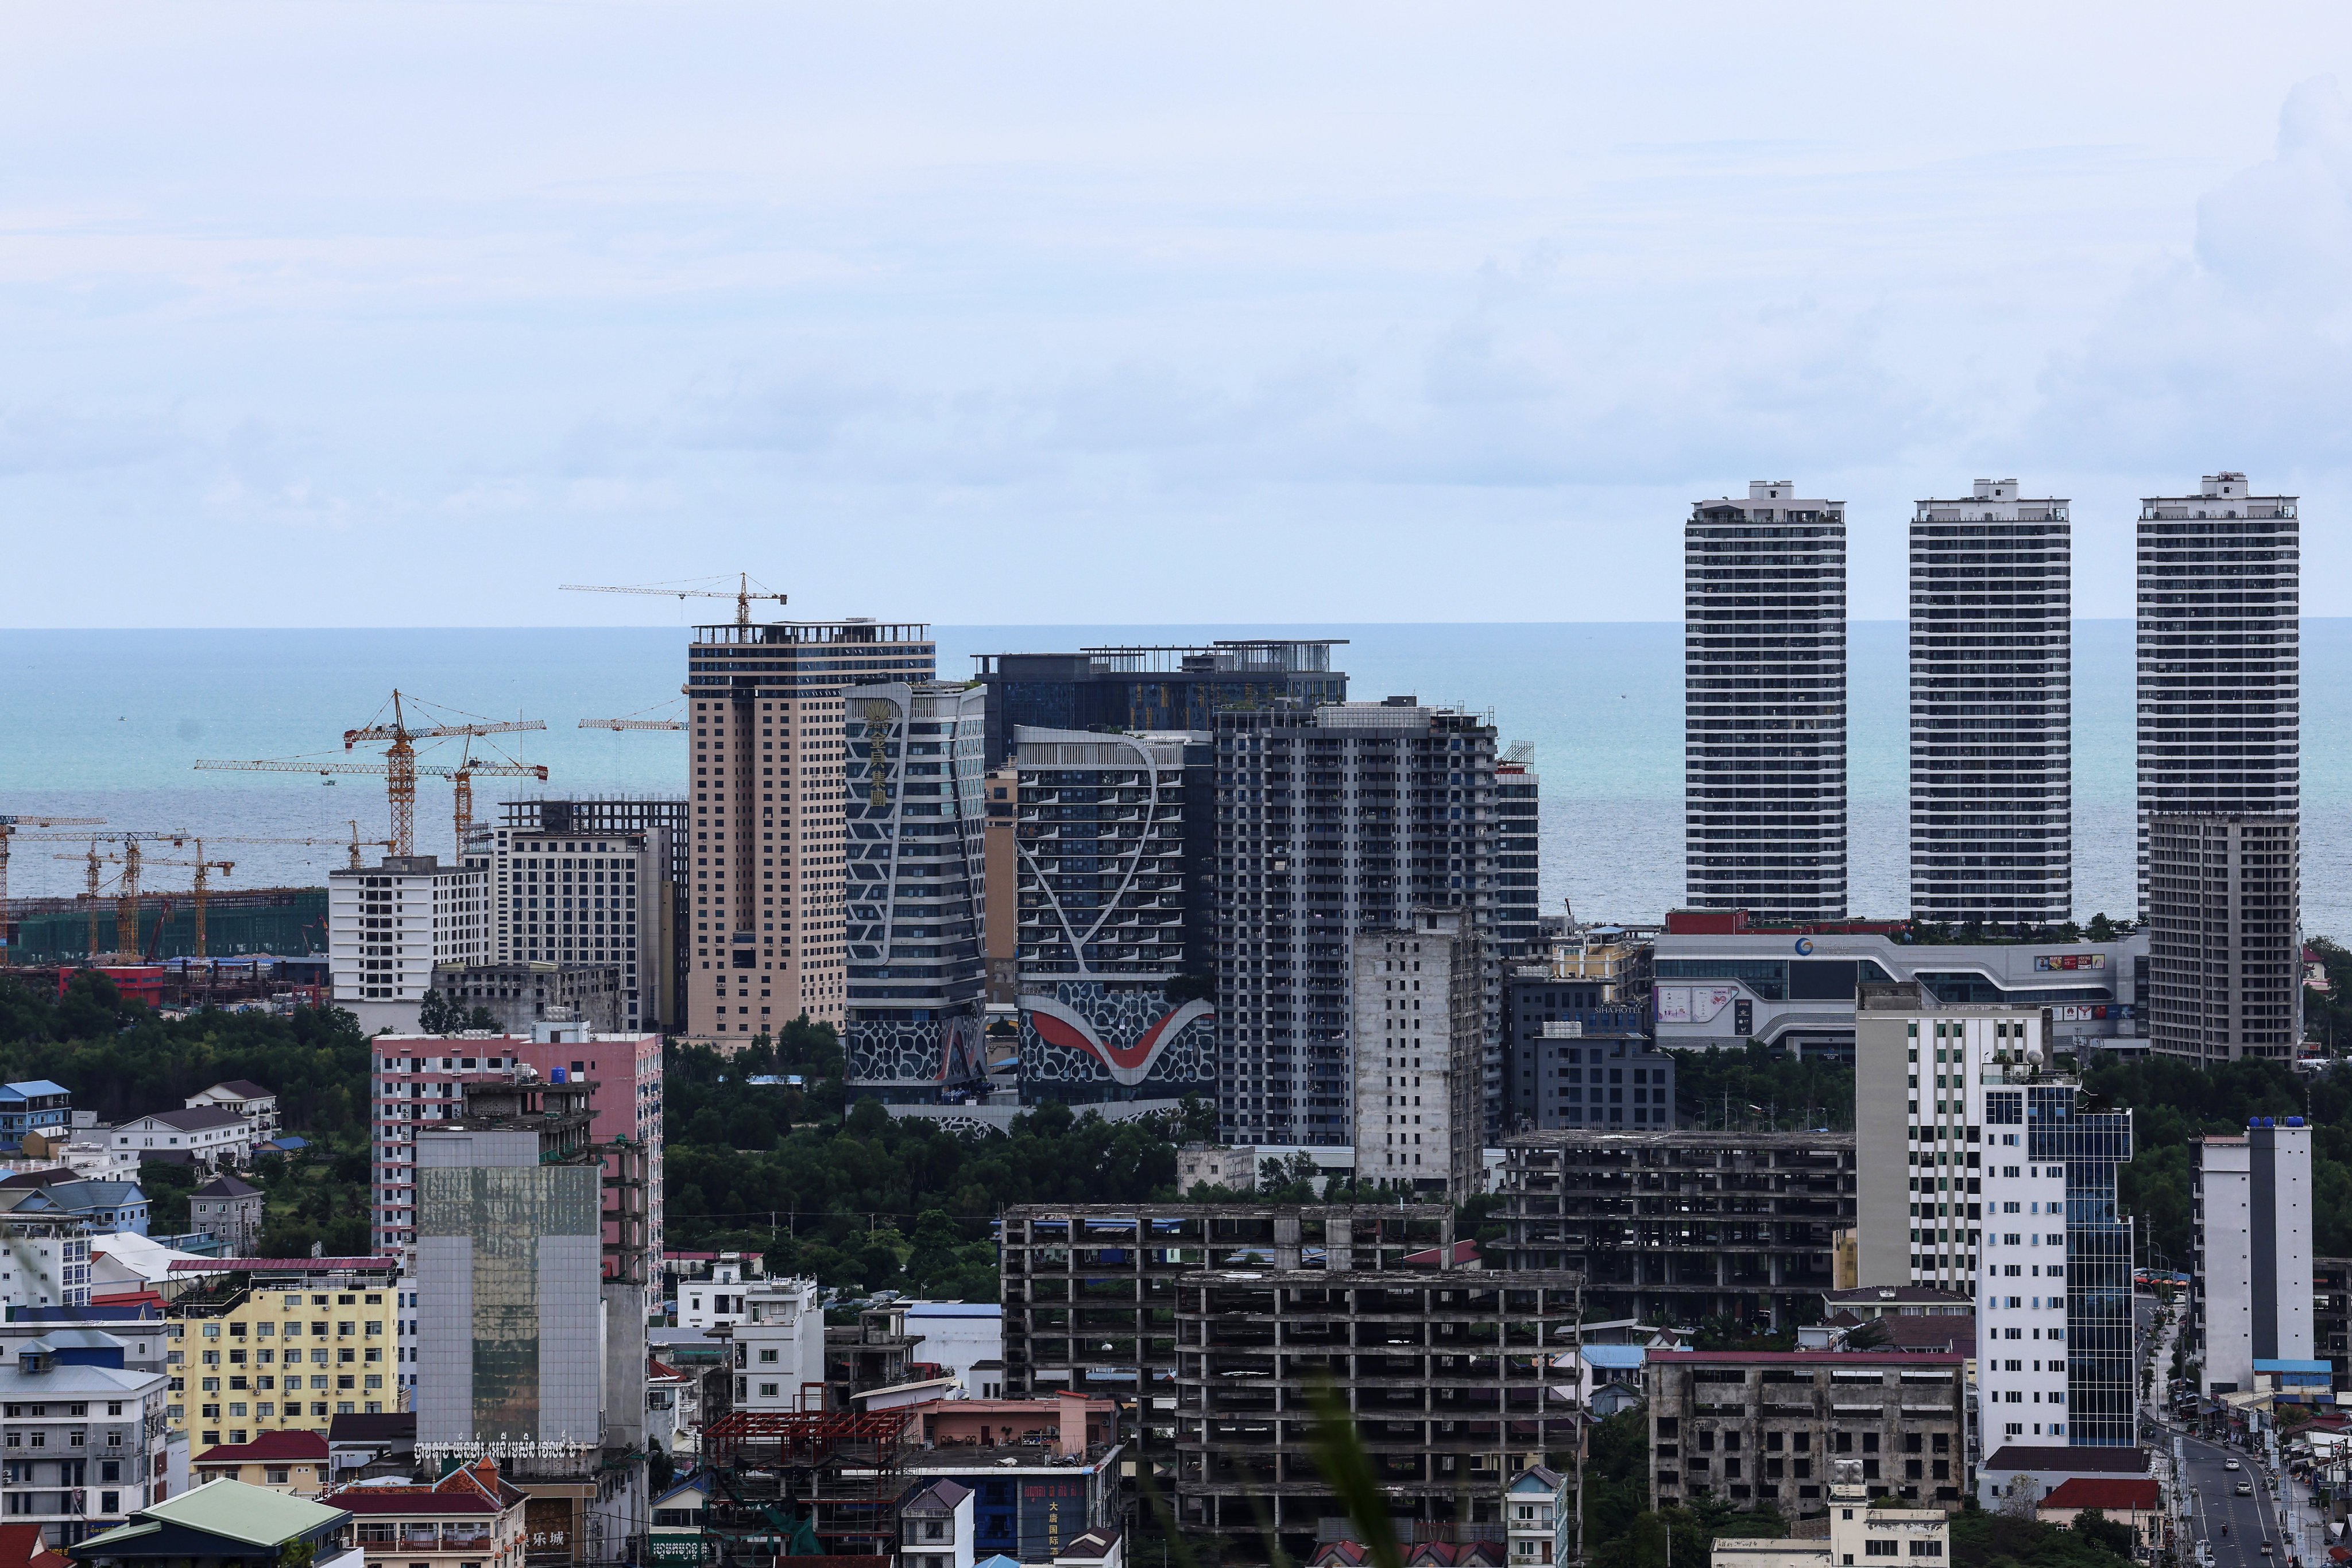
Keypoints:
pixel 1069 1423
pixel 417 1078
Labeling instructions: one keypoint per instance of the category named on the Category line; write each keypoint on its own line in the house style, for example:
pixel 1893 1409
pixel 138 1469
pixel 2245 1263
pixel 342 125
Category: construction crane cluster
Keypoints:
pixel 401 770
pixel 398 726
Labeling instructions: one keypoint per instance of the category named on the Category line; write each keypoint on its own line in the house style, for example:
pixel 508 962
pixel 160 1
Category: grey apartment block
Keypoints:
pixel 2225 935
pixel 519 994
pixel 1584 1067
pixel 2219 655
pixel 1693 1225
pixel 1760 1429
pixel 1420 1034
pixel 1991 708
pixel 661 821
pixel 1332 822
pixel 1764 746
pixel 508 1249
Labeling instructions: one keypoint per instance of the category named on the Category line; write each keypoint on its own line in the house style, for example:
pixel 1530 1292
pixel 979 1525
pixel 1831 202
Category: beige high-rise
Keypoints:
pixel 764 702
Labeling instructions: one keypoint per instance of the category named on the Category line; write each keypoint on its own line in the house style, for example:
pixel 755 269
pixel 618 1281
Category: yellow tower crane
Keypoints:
pixel 10 822
pixel 126 888
pixel 742 593
pixel 400 767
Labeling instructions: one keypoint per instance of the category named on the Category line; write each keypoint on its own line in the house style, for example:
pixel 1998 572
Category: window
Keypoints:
pixel 278 1475
pixel 1882 1549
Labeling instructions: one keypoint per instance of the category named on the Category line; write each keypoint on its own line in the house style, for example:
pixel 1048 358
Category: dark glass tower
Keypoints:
pixel 1117 690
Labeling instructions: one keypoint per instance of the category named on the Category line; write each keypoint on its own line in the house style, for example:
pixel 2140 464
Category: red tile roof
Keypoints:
pixel 21 1546
pixel 269 1446
pixel 2115 1494
pixel 475 1489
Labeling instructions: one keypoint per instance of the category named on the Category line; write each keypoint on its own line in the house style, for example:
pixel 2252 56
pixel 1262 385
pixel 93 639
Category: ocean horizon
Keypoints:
pixel 108 723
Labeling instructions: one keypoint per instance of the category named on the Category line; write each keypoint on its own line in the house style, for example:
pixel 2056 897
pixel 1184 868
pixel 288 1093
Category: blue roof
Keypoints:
pixel 1621 1356
pixel 2263 1365
pixel 36 1086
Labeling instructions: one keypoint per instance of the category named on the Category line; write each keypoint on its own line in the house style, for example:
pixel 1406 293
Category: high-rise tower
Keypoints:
pixel 2219 655
pixel 1332 822
pixel 1992 716
pixel 1764 704
pixel 765 704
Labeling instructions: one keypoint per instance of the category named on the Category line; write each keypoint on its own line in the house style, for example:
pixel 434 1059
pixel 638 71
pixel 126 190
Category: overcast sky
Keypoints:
pixel 401 314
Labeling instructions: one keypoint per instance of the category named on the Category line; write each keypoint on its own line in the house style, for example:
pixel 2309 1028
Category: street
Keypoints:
pixel 2250 1519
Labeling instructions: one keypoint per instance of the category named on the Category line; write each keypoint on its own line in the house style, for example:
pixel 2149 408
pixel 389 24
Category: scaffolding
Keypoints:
pixel 783 1478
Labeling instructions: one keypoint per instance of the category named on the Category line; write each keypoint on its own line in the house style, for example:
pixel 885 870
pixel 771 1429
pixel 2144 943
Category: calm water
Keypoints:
pixel 107 724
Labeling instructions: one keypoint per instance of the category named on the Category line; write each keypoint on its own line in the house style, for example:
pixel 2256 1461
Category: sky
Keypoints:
pixel 353 314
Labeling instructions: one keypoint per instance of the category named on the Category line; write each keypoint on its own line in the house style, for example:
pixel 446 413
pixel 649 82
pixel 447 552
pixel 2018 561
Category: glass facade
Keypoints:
pixel 524 1323
pixel 2100 1390
pixel 914 892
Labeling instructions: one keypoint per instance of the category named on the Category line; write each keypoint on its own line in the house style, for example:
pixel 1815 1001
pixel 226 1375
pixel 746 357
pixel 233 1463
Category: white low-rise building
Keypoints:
pixel 87 1440
pixel 777 1348
pixel 1860 1535
pixel 209 1136
pixel 246 1098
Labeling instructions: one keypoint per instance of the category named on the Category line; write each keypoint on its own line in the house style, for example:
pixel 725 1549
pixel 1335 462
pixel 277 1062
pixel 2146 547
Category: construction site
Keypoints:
pixel 119 920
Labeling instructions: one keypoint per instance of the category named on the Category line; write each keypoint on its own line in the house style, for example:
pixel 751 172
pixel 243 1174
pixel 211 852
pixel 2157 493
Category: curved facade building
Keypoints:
pixel 1114 853
pixel 912 902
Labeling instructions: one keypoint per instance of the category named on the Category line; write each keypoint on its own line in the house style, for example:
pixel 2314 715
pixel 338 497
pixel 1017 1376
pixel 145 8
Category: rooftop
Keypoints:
pixel 231 1509
pixel 2039 1458
pixel 2108 1492
pixel 287 1445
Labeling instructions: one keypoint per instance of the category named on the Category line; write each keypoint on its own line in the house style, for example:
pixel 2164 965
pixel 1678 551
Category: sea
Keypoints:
pixel 111 724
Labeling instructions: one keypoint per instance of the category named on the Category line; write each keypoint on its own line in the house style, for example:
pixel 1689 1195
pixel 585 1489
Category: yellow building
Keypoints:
pixel 291 1461
pixel 270 1344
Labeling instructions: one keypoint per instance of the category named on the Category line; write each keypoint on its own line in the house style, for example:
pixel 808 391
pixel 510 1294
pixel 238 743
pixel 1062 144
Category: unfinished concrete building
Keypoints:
pixel 1089 1290
pixel 1448 1372
pixel 1691 1225
pixel 1760 1428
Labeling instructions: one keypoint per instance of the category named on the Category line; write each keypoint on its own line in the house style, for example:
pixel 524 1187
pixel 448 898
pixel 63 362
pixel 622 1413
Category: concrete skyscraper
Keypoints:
pixel 1333 822
pixel 764 702
pixel 1764 752
pixel 2221 770
pixel 1111 891
pixel 2224 934
pixel 2219 655
pixel 1991 713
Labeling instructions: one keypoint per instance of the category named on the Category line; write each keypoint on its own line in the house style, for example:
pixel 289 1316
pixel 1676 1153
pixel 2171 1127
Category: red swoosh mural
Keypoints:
pixel 1057 1024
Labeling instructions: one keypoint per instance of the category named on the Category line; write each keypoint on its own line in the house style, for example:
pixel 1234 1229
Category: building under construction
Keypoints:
pixel 799 1484
pixel 1452 1377
pixel 1691 1224
pixel 289 922
pixel 1090 1289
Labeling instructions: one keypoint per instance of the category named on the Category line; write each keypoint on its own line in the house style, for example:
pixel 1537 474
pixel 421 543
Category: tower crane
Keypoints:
pixel 126 889
pixel 355 845
pixel 742 593
pixel 632 721
pixel 10 822
pixel 204 892
pixel 401 760
pixel 400 767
